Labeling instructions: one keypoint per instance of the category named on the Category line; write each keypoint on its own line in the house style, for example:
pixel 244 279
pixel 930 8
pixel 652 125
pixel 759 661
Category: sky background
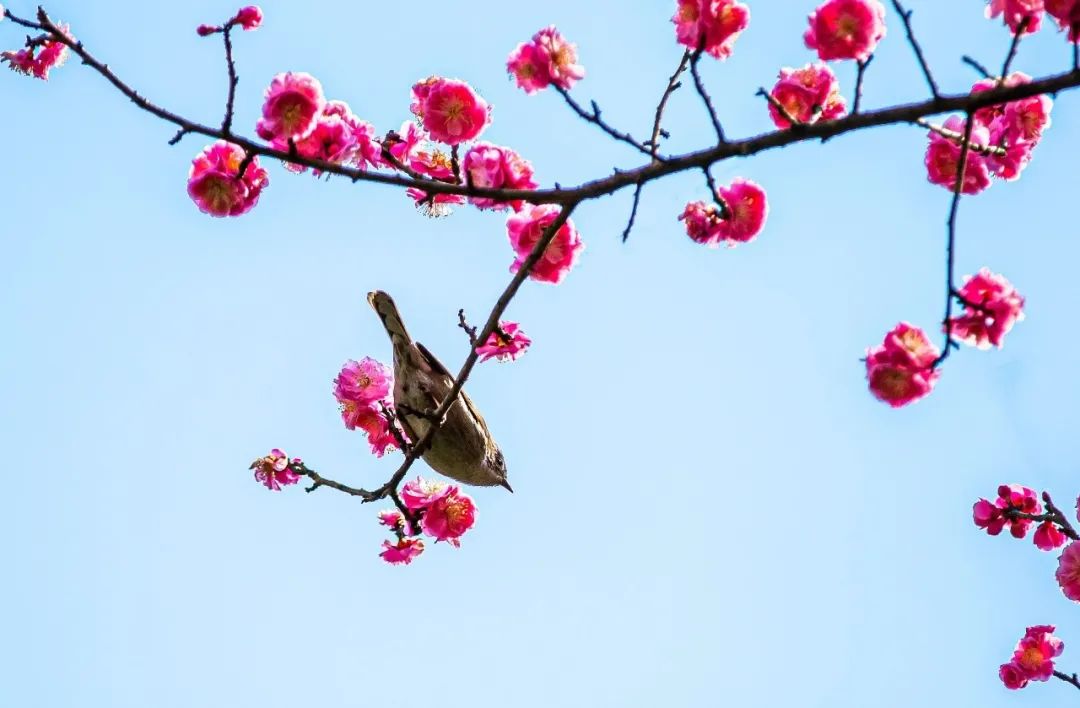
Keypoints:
pixel 710 508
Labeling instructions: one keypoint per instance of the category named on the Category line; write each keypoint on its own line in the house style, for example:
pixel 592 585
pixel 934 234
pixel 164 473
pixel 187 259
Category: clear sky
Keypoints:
pixel 710 508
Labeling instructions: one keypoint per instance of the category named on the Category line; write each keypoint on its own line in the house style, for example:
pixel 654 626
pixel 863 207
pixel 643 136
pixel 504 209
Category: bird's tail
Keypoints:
pixel 384 307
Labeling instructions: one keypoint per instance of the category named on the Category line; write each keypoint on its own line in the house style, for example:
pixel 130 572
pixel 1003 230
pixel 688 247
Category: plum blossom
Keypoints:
pixel 421 493
pixel 275 470
pixel 901 370
pixel 808 95
pixel 1011 497
pixel 525 229
pixel 713 25
pixel 746 211
pixel 249 17
pixel 494 167
pixel 1036 651
pixel 40 57
pixel 213 184
pixel 544 60
pixel 1048 536
pixel 846 29
pixel 291 109
pixel 506 343
pixel 364 381
pixel 991 308
pixel 1068 571
pixel 1066 14
pixel 450 110
pixel 402 552
pixel 449 516
pixel 1017 13
pixel 943 158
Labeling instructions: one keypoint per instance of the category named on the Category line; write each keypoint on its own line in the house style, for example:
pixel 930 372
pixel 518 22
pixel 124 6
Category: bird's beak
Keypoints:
pixel 371 299
pixel 506 484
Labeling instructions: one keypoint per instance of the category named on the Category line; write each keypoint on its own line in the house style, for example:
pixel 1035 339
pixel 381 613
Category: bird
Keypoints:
pixel 462 448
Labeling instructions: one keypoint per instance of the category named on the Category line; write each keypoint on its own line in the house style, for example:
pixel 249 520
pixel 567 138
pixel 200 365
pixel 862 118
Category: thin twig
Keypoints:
pixel 957 137
pixel 633 211
pixel 792 121
pixel 1013 47
pixel 455 164
pixel 1068 678
pixel 1076 56
pixel 1060 518
pixel 226 124
pixel 596 120
pixel 392 426
pixel 463 323
pixel 983 71
pixel 714 194
pixel 905 15
pixel 672 84
pixel 950 248
pixel 861 71
pixel 705 98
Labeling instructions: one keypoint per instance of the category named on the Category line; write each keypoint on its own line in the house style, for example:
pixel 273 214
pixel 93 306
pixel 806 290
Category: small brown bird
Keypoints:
pixel 462 448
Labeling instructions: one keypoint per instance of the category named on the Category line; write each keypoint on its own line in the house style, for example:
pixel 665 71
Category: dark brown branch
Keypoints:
pixel 1013 47
pixel 599 122
pixel 950 247
pixel 714 194
pixel 455 164
pixel 860 73
pixel 1076 56
pixel 983 71
pixel 905 15
pixel 705 98
pixel 1060 518
pixel 1068 678
pixel 392 426
pixel 226 123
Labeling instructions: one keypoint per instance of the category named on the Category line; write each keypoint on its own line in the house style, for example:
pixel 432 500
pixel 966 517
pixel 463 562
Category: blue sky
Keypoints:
pixel 710 507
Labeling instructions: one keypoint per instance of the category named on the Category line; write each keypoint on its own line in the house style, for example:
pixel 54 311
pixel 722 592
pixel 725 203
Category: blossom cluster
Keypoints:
pixel 1003 138
pixel 710 25
pixel 545 60
pixel 506 343
pixel 904 368
pixel 1000 514
pixel 741 218
pixel 276 470
pixel 40 55
pixel 362 390
pixel 444 512
pixel 1025 16
pixel 1033 658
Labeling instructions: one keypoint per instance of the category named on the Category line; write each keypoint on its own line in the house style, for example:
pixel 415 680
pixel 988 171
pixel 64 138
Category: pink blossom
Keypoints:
pixel 1048 536
pixel 987 114
pixel 1036 651
pixel 249 17
pixel 366 381
pixel 1012 676
pixel 40 59
pixel 421 493
pixel 991 308
pixel 404 145
pixel 702 222
pixel 369 418
pixel 943 158
pixel 561 57
pixel 450 110
pixel 1068 571
pixel 1011 497
pixel 809 95
pixel 1067 15
pixel 529 67
pixel 525 229
pixel 338 137
pixel 1017 12
pixel 747 211
pixel 213 184
pixel 506 343
pixel 434 205
pixel 207 30
pixel 846 29
pixel 494 167
pixel 402 552
pixel 901 370
pixel 713 25
pixel 294 101
pixel 274 470
pixel 449 516
pixel 391 518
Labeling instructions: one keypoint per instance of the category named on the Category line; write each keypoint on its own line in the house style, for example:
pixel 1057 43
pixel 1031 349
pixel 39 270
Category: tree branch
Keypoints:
pixel 859 82
pixel 1013 47
pixel 700 86
pixel 226 123
pixel 596 120
pixel 905 15
pixel 1067 678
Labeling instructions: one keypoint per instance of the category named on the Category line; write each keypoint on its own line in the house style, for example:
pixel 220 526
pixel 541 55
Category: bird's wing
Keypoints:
pixel 437 367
